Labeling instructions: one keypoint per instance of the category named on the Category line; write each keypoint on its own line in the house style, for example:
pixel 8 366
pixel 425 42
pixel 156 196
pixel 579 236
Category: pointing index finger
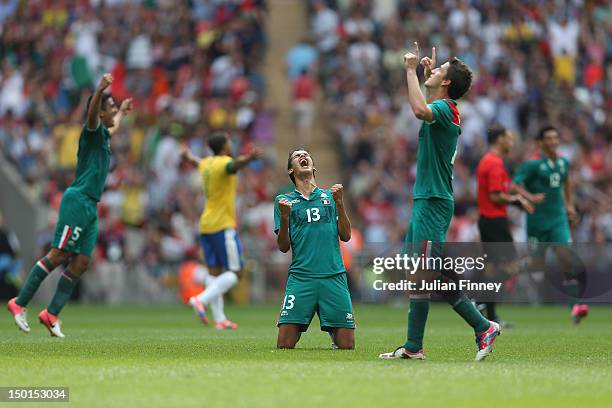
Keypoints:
pixel 433 54
pixel 416 49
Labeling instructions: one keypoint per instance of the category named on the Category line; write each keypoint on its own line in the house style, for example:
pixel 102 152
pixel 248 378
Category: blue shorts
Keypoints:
pixel 223 250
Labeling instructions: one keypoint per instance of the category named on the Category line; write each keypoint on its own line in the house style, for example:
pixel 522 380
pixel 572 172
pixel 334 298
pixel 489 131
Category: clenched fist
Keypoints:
pixel 411 60
pixel 337 191
pixel 105 82
pixel 284 206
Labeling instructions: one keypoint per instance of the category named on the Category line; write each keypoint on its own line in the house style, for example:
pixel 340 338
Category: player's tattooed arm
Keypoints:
pixel 283 240
pixel 124 109
pixel 187 156
pixel 344 224
pixel 417 100
pixel 245 159
pixel 93 114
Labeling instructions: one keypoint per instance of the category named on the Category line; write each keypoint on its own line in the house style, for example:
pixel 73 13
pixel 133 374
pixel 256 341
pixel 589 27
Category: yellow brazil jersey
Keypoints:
pixel 220 192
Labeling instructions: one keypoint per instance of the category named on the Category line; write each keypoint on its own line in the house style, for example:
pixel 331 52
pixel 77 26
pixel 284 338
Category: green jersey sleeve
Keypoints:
pixel 86 131
pixel 525 172
pixel 566 170
pixel 276 215
pixel 441 112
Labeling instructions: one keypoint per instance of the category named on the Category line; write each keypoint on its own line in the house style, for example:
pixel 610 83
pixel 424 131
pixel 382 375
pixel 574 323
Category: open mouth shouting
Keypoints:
pixel 304 162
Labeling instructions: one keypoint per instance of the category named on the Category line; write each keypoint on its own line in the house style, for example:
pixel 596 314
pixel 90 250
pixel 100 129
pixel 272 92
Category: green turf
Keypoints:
pixel 162 357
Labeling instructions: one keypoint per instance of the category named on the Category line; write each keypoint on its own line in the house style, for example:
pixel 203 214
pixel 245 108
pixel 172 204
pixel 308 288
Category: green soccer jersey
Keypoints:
pixel 93 159
pixel 543 175
pixel 313 230
pixel 437 150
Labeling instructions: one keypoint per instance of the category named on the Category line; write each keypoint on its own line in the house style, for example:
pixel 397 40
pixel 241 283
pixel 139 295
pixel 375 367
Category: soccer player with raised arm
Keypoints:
pixel 547 174
pixel 76 231
pixel 218 235
pixel 433 203
pixel 309 221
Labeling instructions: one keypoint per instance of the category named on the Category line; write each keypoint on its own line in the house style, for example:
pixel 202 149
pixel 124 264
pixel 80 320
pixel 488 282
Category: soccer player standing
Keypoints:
pixel 76 231
pixel 493 200
pixel 433 204
pixel 218 236
pixel 547 174
pixel 309 221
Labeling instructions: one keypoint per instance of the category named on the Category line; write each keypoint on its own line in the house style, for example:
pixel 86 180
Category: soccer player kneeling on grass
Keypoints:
pixel 76 232
pixel 309 221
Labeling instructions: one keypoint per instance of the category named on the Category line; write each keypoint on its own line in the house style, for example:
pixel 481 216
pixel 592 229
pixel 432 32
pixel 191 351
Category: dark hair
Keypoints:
pixel 105 97
pixel 494 133
pixel 460 76
pixel 217 141
pixel 291 176
pixel 545 129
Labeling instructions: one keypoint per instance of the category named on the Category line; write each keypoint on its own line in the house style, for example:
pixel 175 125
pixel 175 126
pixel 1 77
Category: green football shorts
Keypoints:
pixel 77 226
pixel 430 220
pixel 329 297
pixel 559 234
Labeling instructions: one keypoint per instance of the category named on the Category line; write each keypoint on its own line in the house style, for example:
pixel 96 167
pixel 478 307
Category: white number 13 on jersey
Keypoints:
pixel 288 302
pixel 312 214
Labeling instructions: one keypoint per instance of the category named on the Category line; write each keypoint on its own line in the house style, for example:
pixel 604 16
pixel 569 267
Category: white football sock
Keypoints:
pixel 208 280
pixel 218 287
pixel 217 307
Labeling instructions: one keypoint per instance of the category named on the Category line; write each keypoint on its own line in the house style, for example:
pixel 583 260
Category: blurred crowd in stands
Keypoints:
pixel 535 62
pixel 192 67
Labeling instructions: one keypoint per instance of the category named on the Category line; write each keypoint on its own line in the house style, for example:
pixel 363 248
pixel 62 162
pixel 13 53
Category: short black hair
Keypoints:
pixel 217 141
pixel 494 133
pixel 291 176
pixel 545 129
pixel 103 100
pixel 460 76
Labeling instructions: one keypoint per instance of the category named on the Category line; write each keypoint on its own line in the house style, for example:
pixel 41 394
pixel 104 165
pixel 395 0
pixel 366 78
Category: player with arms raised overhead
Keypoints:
pixel 218 236
pixel 309 221
pixel 76 232
pixel 547 174
pixel 433 205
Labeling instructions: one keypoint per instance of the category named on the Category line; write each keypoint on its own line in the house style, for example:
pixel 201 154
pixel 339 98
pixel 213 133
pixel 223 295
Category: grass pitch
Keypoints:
pixel 162 357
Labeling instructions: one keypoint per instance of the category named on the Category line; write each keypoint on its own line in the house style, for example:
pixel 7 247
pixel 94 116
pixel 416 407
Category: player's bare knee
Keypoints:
pixel 285 346
pixel 287 338
pixel 346 344
pixel 79 265
pixel 344 340
pixel 57 256
pixel 285 343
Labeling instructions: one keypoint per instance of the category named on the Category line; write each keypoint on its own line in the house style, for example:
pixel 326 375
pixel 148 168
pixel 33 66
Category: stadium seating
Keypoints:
pixel 531 67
